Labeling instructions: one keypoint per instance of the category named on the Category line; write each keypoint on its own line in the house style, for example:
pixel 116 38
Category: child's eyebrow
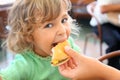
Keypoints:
pixel 65 15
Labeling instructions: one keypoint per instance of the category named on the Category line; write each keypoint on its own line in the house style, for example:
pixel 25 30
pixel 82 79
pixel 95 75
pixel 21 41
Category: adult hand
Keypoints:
pixel 79 66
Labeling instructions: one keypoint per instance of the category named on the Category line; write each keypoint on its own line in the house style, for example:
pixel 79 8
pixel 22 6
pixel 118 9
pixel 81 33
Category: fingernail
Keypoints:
pixel 67 48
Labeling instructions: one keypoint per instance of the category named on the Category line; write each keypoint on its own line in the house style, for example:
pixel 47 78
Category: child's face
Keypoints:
pixel 50 33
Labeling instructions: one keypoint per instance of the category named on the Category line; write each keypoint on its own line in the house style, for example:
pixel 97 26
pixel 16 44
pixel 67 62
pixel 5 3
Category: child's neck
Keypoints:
pixel 42 54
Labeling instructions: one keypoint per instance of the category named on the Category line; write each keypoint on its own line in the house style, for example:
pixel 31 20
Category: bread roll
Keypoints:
pixel 58 54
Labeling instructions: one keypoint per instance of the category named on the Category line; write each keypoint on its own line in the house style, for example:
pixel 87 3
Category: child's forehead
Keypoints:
pixel 44 10
pixel 49 12
pixel 62 14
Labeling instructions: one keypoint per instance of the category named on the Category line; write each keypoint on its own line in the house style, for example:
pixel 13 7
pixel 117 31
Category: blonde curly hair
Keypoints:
pixel 22 18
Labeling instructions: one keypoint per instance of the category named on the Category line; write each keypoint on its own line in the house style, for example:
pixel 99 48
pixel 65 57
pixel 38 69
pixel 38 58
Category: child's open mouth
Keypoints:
pixel 54 44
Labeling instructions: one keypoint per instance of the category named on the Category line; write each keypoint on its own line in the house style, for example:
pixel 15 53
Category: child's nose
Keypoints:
pixel 62 29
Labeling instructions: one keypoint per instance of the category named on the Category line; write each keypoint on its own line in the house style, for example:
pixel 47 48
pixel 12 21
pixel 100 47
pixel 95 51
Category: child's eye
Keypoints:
pixel 64 20
pixel 49 25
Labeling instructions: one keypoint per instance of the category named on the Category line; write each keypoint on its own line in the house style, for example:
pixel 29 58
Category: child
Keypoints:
pixel 36 27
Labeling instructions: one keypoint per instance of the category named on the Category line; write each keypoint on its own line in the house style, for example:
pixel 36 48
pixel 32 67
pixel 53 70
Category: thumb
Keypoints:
pixel 71 52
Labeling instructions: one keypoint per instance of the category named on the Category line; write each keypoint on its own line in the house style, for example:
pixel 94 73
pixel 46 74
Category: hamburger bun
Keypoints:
pixel 58 54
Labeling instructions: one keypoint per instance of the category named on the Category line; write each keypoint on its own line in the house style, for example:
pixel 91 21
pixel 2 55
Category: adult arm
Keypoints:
pixel 0 78
pixel 110 8
pixel 81 67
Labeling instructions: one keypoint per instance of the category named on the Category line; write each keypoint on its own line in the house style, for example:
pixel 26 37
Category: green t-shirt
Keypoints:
pixel 29 66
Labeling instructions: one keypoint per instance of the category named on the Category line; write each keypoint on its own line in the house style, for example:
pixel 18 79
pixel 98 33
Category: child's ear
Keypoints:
pixel 29 39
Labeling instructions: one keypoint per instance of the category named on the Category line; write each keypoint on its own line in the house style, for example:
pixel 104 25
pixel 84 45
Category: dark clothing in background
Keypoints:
pixel 111 36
